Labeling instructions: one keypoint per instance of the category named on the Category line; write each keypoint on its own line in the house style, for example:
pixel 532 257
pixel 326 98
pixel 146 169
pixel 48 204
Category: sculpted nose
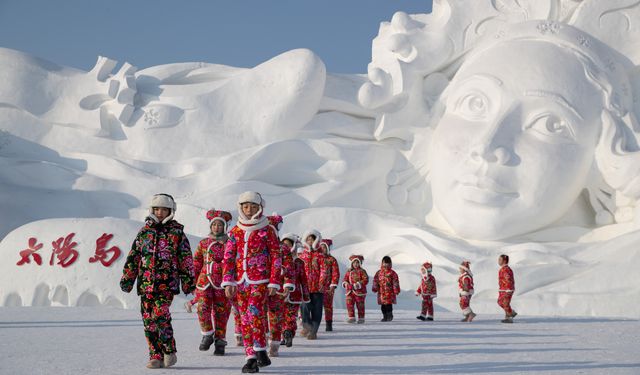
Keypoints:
pixel 490 147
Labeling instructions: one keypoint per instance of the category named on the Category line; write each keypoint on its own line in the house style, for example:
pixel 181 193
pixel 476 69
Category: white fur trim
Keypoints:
pixel 259 348
pixel 162 200
pixel 208 333
pixel 345 284
pixel 251 197
pixel 334 285
pixel 275 286
pixel 291 237
pixel 507 290
pixel 467 311
pixel 465 293
pixel 288 285
pixel 228 283
pixel 357 285
pixel 314 232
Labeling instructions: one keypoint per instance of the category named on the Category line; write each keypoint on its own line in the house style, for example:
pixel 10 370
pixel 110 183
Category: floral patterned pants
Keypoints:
pixel 252 303
pixel 465 305
pixel 355 302
pixel 291 316
pixel 504 300
pixel 276 316
pixel 427 306
pixel 156 319
pixel 328 304
pixel 213 308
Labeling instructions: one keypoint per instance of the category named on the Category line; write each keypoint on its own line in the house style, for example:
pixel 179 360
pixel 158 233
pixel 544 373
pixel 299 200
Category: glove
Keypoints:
pixel 345 285
pixel 358 285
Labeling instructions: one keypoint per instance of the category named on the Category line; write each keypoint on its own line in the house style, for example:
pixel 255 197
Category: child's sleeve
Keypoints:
pixel 229 262
pixel 198 258
pixel 131 267
pixel 375 286
pixel 185 265
pixel 289 272
pixel 335 273
pixel 275 256
pixel 345 280
pixel 396 284
pixel 365 278
pixel 305 284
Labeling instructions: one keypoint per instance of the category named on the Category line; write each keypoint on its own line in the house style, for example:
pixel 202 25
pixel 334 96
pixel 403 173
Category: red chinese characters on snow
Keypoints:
pixel 65 253
pixel 102 254
pixel 63 248
pixel 26 254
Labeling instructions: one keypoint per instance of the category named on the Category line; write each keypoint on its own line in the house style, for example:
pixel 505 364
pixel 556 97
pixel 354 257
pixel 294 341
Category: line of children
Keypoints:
pixel 264 279
pixel 387 285
pixel 355 283
pixel 332 277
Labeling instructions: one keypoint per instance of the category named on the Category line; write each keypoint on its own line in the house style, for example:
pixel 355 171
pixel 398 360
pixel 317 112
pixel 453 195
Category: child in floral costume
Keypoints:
pixel 355 283
pixel 276 302
pixel 159 261
pixel 315 268
pixel 507 286
pixel 251 263
pixel 332 278
pixel 300 292
pixel 386 284
pixel 428 291
pixel 213 305
pixel 465 288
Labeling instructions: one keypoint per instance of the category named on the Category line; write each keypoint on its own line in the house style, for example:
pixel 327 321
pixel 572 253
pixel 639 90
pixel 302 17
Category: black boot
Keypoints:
pixel 389 316
pixel 219 347
pixel 251 367
pixel 206 342
pixel 421 317
pixel 263 358
pixel 288 338
pixel 384 317
pixel 329 324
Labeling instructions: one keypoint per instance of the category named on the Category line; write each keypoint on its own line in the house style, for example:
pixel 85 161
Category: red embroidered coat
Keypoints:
pixel 315 268
pixel 465 284
pixel 301 292
pixel 252 256
pixel 207 261
pixel 355 281
pixel 332 277
pixel 286 272
pixel 506 282
pixel 427 286
pixel 387 285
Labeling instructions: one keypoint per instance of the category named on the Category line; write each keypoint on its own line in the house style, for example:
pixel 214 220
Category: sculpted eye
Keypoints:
pixel 550 125
pixel 473 106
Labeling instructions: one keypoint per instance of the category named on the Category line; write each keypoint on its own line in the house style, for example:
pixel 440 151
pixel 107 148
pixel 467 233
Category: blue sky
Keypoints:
pixel 238 33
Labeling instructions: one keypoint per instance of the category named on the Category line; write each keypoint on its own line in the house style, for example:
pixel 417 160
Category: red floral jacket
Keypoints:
pixel 355 281
pixel 301 292
pixel 506 282
pixel 465 284
pixel 315 268
pixel 387 285
pixel 207 261
pixel 427 287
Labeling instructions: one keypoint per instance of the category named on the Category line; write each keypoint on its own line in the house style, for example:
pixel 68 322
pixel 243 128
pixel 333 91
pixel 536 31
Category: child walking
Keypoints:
pixel 315 268
pixel 159 261
pixel 507 285
pixel 428 291
pixel 213 305
pixel 387 285
pixel 355 283
pixel 331 282
pixel 465 288
pixel 296 296
pixel 250 269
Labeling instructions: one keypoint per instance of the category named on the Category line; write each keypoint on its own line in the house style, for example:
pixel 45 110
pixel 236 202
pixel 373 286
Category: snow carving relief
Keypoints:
pixel 513 112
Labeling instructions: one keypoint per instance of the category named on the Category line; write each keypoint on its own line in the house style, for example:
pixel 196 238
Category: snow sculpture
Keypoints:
pixel 513 109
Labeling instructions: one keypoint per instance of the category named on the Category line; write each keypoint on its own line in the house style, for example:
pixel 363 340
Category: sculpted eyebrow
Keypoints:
pixel 483 77
pixel 556 98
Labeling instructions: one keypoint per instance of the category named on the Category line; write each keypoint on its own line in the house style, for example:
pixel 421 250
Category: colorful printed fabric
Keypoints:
pixel 332 272
pixel 428 286
pixel 355 281
pixel 315 269
pixel 504 301
pixel 291 311
pixel 276 311
pixel 387 285
pixel 427 306
pixel 159 259
pixel 506 282
pixel 252 256
pixel 236 318
pixel 213 307
pixel 208 261
pixel 156 318
pixel 465 284
pixel 355 301
pixel 299 277
pixel 465 304
pixel 328 305
pixel 252 303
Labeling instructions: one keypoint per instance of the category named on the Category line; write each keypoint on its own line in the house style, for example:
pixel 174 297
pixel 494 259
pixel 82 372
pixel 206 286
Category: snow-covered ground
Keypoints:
pixel 90 340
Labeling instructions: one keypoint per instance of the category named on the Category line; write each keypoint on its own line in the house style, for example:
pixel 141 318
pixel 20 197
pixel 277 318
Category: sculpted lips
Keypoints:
pixel 484 190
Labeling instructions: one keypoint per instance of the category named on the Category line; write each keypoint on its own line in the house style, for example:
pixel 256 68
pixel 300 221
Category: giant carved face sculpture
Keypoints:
pixel 515 145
